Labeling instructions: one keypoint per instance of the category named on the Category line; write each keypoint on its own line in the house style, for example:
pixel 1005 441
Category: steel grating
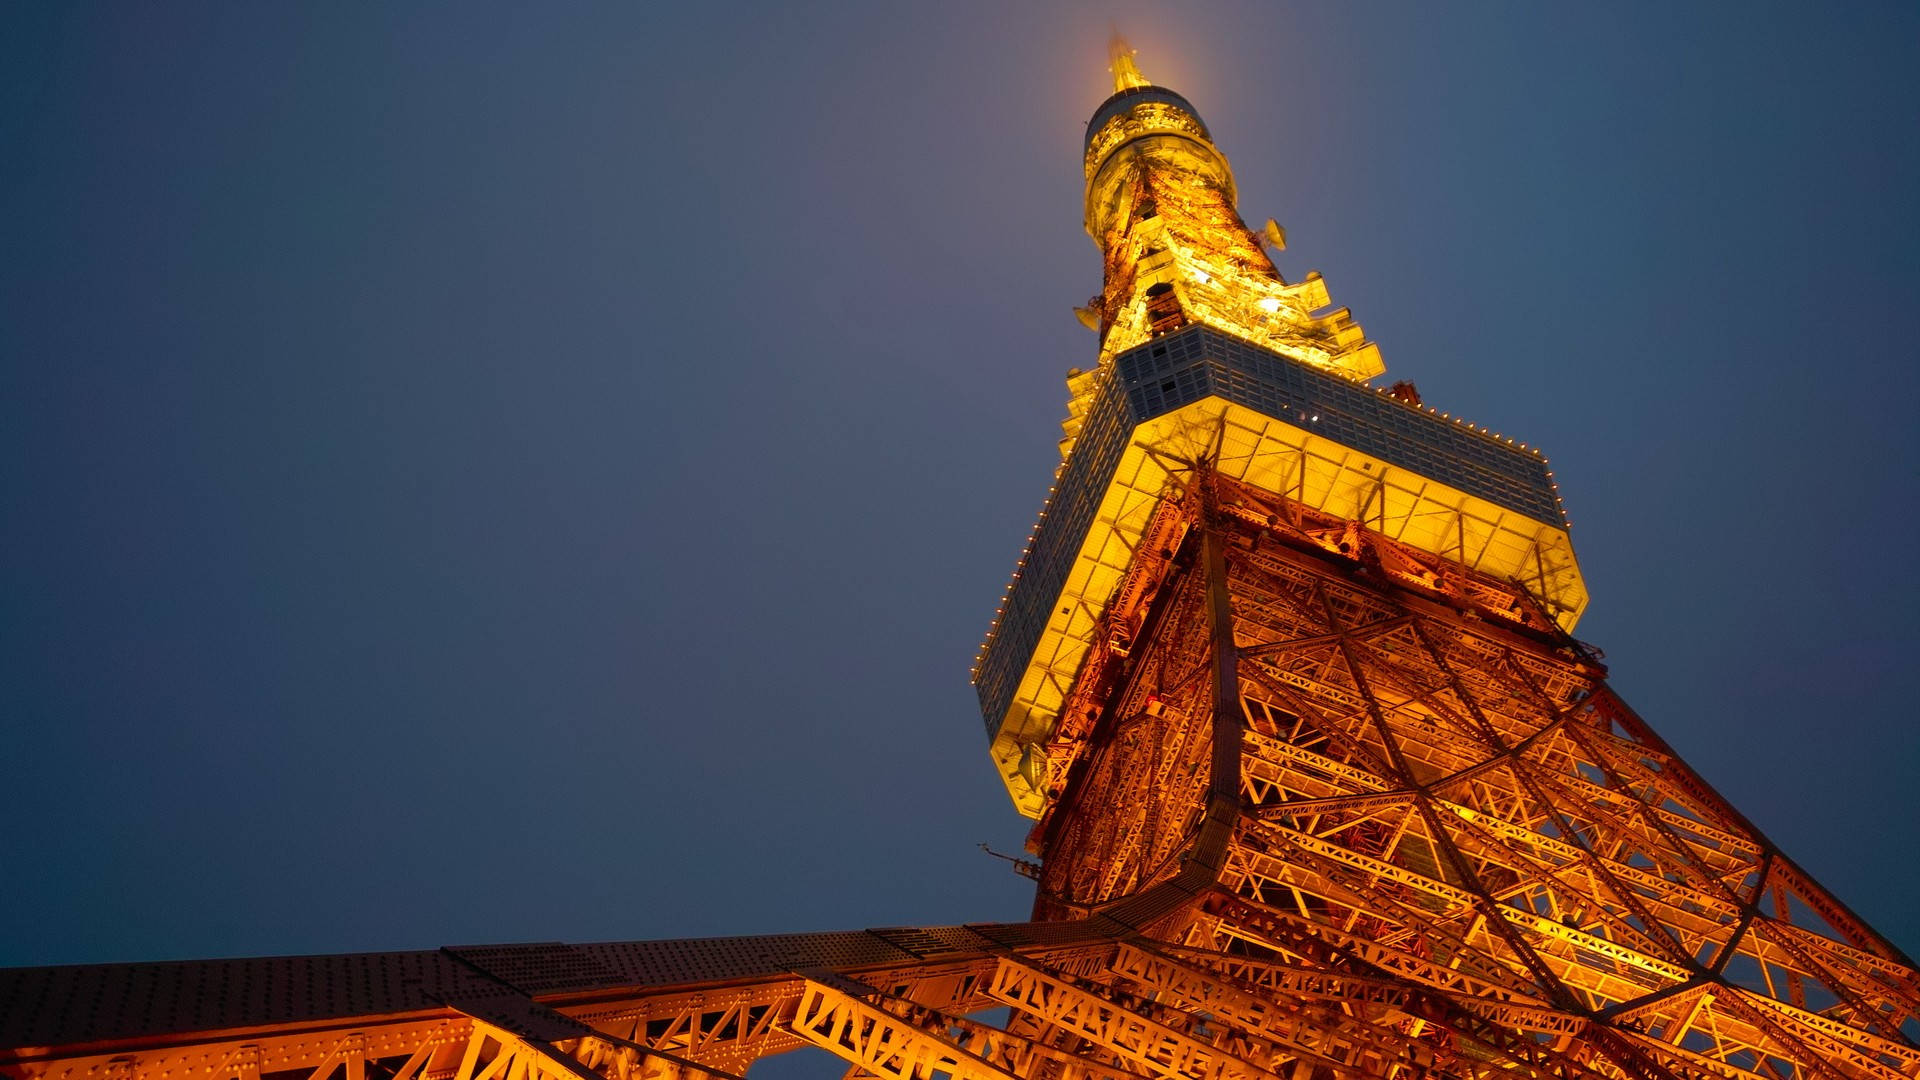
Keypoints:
pixel 543 968
pixel 82 1003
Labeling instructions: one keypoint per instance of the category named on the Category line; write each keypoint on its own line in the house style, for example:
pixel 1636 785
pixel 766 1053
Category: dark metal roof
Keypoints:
pixel 100 1003
pixel 56 1006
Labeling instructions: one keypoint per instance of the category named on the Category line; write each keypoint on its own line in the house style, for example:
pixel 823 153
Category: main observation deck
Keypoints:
pixel 1327 442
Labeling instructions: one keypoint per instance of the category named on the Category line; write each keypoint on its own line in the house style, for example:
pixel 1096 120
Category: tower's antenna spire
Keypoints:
pixel 1126 74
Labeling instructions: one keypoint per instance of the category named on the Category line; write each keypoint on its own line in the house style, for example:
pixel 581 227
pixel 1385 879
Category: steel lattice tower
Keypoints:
pixel 1322 786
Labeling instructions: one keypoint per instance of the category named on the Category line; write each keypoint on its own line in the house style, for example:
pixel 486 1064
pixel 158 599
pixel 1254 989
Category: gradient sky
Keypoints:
pixel 511 472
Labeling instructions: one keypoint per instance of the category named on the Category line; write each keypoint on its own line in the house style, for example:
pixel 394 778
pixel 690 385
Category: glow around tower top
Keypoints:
pixel 1132 89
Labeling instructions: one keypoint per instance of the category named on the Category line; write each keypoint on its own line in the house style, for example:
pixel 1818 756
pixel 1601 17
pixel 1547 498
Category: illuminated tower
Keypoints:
pixel 1322 786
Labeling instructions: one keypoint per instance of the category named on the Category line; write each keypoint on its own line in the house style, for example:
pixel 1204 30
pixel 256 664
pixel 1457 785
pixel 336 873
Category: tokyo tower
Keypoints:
pixel 1321 784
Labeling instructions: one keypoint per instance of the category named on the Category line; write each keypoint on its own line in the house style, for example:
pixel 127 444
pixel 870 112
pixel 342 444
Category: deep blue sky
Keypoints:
pixel 489 473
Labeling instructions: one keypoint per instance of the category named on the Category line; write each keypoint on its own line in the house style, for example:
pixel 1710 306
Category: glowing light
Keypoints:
pixel 1169 200
pixel 1126 73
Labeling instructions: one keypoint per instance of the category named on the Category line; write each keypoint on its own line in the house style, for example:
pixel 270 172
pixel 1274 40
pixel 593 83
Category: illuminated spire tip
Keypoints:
pixel 1126 74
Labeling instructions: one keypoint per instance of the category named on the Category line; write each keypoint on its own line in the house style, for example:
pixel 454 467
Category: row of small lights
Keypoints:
pixel 1006 594
pixel 1468 424
pixel 1431 411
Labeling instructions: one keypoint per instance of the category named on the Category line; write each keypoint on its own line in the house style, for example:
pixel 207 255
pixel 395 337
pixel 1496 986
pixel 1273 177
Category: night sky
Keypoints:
pixel 482 473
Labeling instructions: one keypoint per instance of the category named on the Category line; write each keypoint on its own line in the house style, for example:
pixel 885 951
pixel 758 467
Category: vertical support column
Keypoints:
pixel 1223 783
